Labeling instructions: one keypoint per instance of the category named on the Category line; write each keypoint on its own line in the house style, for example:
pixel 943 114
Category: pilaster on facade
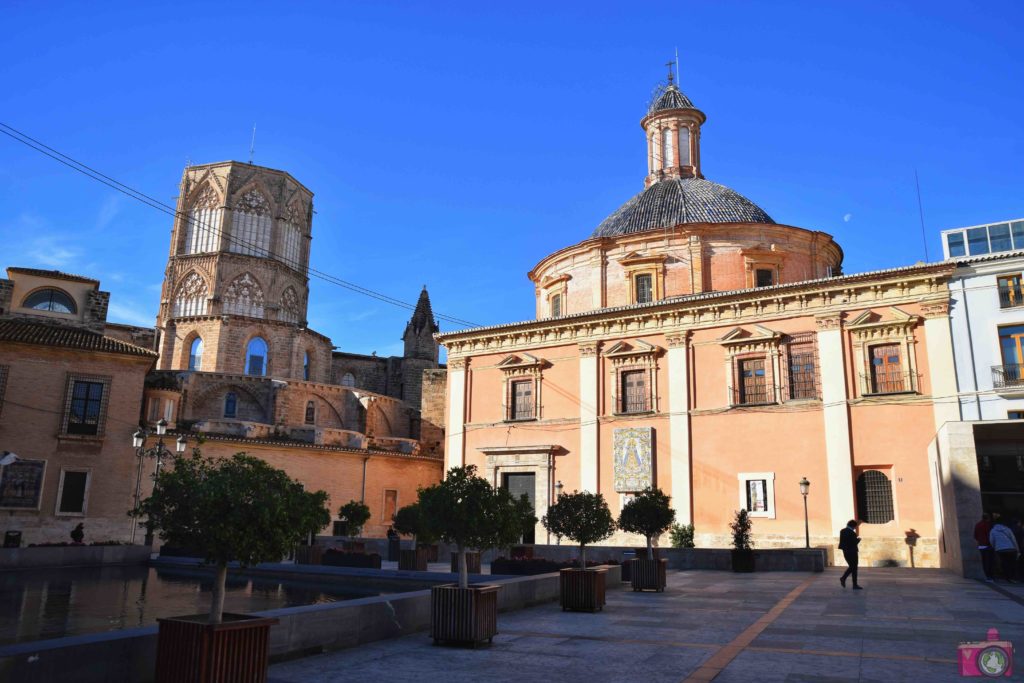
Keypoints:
pixel 680 457
pixel 590 405
pixel 835 413
pixel 941 362
pixel 454 452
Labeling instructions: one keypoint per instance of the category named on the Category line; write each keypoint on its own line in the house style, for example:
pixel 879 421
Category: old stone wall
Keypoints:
pixel 435 383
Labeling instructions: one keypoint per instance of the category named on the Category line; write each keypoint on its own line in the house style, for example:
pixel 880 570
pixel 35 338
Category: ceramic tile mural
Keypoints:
pixel 633 453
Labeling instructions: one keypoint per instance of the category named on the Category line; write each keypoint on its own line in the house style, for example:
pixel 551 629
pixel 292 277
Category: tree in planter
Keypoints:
pixel 238 508
pixel 467 512
pixel 351 518
pixel 681 535
pixel 741 531
pixel 647 514
pixel 409 522
pixel 580 517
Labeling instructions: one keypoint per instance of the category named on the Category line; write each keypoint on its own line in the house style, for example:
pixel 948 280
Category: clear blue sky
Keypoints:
pixel 456 144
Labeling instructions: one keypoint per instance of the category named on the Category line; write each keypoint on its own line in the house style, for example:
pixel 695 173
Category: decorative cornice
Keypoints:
pixel 589 349
pixel 935 309
pixel 828 321
pixel 458 363
pixel 677 340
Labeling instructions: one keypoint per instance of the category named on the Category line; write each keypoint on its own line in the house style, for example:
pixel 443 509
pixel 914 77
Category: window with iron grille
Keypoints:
pixel 644 289
pixel 874 497
pixel 803 376
pixel 310 412
pixel 634 397
pixel 753 382
pixel 522 407
pixel 86 407
pixel 1010 291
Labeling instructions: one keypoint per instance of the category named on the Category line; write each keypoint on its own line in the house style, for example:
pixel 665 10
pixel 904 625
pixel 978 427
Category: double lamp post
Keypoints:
pixel 157 452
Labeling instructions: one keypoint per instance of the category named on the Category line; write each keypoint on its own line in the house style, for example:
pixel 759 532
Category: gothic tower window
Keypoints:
pixel 244 296
pixel 310 413
pixel 256 360
pixel 195 354
pixel 291 237
pixel 305 367
pixel 203 231
pixel 289 310
pixel 348 380
pixel 230 404
pixel 191 297
pixel 251 225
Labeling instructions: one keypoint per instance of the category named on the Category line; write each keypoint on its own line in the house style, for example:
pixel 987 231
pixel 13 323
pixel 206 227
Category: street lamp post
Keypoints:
pixel 804 488
pixel 157 452
pixel 558 494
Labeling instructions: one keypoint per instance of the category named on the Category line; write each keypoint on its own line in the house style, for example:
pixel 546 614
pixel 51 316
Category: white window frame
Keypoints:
pixel 769 479
pixel 85 496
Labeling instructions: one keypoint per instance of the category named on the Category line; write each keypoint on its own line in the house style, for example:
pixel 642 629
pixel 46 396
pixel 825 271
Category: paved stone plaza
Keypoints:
pixel 905 625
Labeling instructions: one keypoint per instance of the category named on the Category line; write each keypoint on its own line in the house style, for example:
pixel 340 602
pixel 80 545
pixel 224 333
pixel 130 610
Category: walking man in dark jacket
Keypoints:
pixel 848 542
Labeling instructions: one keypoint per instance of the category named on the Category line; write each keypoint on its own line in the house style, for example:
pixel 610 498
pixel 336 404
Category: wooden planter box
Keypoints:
pixel 581 589
pixel 189 650
pixel 432 551
pixel 463 615
pixel 742 560
pixel 648 575
pixel 472 562
pixel 309 554
pixel 413 560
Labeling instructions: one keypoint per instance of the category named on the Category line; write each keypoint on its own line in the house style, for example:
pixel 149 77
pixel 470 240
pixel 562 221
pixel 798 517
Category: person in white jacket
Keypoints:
pixel 1005 544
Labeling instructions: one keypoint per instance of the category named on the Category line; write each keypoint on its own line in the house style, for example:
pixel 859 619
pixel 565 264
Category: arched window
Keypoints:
pixel 310 412
pixel 230 404
pixel 348 380
pixel 191 298
pixel 244 296
pixel 684 146
pixel 874 497
pixel 49 299
pixel 305 366
pixel 556 305
pixel 667 155
pixel 289 309
pixel 256 361
pixel 250 225
pixel 195 354
pixel 202 234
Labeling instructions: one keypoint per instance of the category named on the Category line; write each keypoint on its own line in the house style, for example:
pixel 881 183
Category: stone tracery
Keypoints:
pixel 191 297
pixel 244 296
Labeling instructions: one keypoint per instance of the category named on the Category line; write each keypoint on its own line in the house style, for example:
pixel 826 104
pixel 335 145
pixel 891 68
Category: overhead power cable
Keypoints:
pixel 154 203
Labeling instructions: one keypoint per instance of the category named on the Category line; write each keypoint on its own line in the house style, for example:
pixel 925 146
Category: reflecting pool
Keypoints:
pixel 51 603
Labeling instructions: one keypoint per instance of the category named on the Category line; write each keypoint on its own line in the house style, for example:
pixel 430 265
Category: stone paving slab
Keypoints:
pixel 712 625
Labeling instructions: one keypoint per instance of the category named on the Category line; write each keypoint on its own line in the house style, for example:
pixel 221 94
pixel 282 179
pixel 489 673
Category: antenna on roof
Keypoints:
pixel 252 145
pixel 920 213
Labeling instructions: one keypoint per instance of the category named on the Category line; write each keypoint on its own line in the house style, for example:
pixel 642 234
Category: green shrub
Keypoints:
pixel 741 531
pixel 681 535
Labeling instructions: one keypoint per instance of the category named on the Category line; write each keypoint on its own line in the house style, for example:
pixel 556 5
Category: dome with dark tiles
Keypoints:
pixel 671 97
pixel 671 202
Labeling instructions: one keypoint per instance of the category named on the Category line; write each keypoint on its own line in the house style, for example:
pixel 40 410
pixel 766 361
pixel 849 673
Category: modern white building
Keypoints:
pixel 987 318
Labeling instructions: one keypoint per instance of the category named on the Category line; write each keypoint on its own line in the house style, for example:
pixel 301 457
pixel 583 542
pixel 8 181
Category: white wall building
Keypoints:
pixel 987 318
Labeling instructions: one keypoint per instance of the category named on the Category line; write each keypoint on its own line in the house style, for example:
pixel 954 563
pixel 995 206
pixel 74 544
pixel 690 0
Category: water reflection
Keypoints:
pixel 51 603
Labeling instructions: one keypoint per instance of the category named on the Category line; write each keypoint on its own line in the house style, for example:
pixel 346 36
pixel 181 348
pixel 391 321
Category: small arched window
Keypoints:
pixel 310 412
pixel 230 404
pixel 49 299
pixel 305 367
pixel 556 305
pixel 195 354
pixel 256 360
pixel 874 497
pixel 348 380
pixel 667 151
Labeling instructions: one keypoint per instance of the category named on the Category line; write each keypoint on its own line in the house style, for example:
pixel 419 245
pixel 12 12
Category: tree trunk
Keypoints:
pixel 217 608
pixel 650 549
pixel 463 571
pixel 583 556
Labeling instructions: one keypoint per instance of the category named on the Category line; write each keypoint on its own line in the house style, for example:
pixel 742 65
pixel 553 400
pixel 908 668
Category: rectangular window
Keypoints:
pixel 999 237
pixel 955 244
pixel 802 372
pixel 977 241
pixel 886 370
pixel 522 400
pixel 255 365
pixel 1017 230
pixel 644 289
pixel 86 402
pixel 390 504
pixel 1015 415
pixel 753 384
pixel 764 278
pixel 230 405
pixel 1009 291
pixel 757 495
pixel 73 487
pixel 556 305
pixel 634 397
pixel 1011 346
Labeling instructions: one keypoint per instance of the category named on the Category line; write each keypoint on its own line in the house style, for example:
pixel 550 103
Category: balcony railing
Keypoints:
pixel 1011 296
pixel 880 383
pixel 634 404
pixel 1004 376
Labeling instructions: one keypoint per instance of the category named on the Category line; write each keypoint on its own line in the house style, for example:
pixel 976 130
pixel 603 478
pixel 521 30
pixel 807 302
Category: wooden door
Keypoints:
pixel 886 370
